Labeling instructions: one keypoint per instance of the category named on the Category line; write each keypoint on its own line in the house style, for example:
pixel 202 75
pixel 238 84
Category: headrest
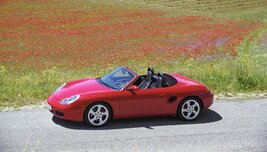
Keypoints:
pixel 149 76
pixel 150 69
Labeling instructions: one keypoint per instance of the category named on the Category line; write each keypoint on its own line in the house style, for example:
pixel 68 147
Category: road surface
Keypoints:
pixel 226 126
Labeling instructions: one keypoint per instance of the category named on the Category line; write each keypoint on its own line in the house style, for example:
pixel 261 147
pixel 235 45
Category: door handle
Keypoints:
pixel 162 95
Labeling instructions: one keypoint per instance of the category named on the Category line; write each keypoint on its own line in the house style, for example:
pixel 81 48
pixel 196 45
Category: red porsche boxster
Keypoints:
pixel 124 94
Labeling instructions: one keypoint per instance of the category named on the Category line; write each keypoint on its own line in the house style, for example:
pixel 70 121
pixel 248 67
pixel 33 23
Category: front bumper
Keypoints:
pixel 68 112
pixel 55 112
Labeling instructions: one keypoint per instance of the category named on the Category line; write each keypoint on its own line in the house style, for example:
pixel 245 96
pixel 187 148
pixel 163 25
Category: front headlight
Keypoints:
pixel 70 99
pixel 60 87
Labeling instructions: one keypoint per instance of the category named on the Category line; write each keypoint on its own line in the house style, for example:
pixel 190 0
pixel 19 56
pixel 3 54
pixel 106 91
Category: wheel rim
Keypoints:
pixel 190 109
pixel 98 115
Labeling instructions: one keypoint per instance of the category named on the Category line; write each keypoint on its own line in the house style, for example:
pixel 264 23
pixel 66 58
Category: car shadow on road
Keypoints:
pixel 207 116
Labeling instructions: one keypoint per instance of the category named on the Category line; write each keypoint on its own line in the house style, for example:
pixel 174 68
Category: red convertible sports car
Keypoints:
pixel 124 94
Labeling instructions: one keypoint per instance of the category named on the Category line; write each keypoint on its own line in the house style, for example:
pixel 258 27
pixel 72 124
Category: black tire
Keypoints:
pixel 96 112
pixel 192 111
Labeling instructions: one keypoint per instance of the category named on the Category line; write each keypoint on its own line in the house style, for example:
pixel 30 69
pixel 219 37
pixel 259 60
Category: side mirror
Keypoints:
pixel 133 88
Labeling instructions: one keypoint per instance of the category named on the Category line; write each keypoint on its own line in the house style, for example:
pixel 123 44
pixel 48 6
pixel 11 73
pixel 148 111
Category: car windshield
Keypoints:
pixel 117 79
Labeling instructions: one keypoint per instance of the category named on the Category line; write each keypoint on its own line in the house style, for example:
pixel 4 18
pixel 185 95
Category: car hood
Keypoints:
pixel 79 87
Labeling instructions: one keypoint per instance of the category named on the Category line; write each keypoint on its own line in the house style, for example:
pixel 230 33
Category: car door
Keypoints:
pixel 142 102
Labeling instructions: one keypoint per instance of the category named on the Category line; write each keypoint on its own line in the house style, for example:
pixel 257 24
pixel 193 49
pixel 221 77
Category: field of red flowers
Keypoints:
pixel 43 34
pixel 44 43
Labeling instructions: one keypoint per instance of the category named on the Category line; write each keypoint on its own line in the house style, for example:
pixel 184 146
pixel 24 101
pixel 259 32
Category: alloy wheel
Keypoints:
pixel 190 109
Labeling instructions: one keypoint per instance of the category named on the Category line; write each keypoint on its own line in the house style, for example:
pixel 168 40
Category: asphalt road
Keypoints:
pixel 226 126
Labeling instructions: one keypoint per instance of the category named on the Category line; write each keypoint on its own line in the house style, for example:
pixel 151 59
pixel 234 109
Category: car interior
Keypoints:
pixel 152 80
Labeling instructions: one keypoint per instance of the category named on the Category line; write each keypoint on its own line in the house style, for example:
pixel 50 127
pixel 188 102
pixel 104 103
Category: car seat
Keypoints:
pixel 147 82
pixel 158 83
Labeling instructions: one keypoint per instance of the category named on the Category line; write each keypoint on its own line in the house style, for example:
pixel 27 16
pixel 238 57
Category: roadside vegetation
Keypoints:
pixel 46 43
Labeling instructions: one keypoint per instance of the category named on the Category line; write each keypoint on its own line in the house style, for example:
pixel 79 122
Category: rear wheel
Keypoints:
pixel 189 109
pixel 98 114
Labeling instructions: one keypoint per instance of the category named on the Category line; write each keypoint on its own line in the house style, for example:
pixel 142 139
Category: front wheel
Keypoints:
pixel 189 109
pixel 98 114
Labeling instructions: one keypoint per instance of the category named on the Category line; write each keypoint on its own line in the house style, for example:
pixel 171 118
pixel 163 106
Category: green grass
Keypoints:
pixel 245 73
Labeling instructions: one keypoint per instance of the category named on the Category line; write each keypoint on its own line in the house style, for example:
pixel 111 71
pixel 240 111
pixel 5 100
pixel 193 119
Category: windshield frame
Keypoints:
pixel 135 76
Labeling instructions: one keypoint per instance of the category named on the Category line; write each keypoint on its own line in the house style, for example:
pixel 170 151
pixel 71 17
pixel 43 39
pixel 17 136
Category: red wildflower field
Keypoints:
pixel 44 43
pixel 50 33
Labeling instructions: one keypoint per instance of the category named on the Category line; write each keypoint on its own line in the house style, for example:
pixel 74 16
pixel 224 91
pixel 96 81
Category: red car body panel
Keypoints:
pixel 125 103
